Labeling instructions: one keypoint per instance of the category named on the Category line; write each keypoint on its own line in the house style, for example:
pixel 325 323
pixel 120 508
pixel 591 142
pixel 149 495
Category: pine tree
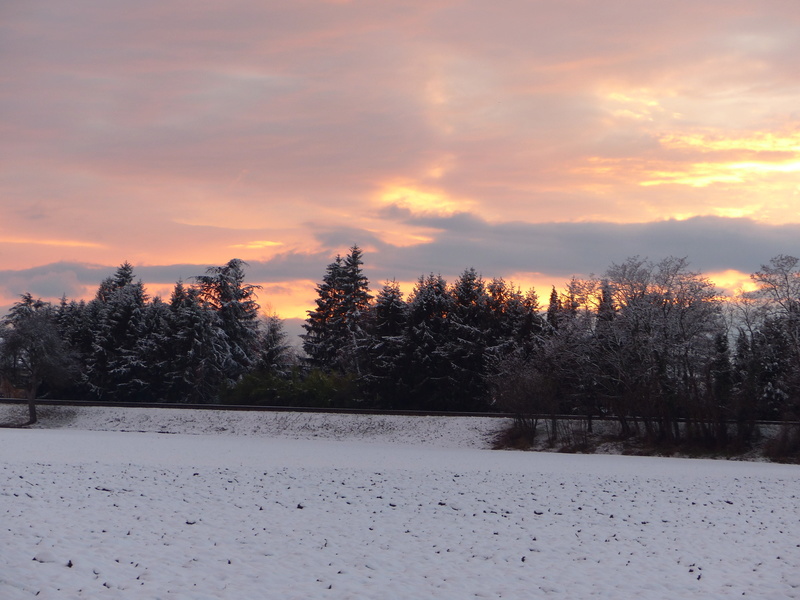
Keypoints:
pixel 338 330
pixel 386 347
pixel 355 312
pixel 144 363
pixel 514 321
pixel 201 354
pixel 122 278
pixel 425 371
pixel 223 289
pixel 114 319
pixel 465 347
pixel 323 325
pixel 554 310
pixel 274 350
pixel 390 311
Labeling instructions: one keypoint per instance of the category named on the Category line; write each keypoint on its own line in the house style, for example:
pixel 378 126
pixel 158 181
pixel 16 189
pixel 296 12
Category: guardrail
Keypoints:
pixel 353 411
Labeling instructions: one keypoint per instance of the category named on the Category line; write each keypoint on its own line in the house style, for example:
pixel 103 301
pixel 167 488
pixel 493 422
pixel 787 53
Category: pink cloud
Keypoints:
pixel 175 133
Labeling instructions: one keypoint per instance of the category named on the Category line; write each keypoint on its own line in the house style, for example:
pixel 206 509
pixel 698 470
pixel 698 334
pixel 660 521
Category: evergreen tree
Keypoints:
pixel 224 290
pixel 390 311
pixel 114 319
pixel 514 322
pixel 720 388
pixel 122 278
pixel 201 355
pixel 387 343
pixel 338 330
pixel 606 311
pixel 465 346
pixel 274 351
pixel 355 311
pixel 323 325
pixel 554 310
pixel 144 362
pixel 426 371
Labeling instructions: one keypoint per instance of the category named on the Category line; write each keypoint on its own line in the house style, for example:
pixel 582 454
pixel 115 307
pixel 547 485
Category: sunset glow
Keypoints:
pixel 45 242
pixel 421 201
pixel 534 143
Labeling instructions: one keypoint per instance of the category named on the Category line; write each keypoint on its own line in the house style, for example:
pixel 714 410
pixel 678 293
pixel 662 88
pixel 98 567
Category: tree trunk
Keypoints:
pixel 32 405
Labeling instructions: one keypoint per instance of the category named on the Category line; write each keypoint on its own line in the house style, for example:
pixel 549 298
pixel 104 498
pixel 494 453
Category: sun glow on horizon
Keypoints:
pixel 732 282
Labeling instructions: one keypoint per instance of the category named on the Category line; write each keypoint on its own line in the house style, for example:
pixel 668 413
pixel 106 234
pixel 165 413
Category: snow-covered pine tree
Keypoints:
pixel 387 344
pixel 114 321
pixel 355 311
pixel 466 342
pixel 425 369
pixel 144 363
pixel 390 311
pixel 274 350
pixel 201 354
pixel 121 278
pixel 225 291
pixel 514 323
pixel 323 325
pixel 73 322
pixel 554 310
pixel 338 330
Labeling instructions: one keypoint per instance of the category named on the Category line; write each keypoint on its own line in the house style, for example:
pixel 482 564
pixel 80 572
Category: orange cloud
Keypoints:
pixel 255 245
pixel 755 142
pixel 48 242
pixel 764 153
pixel 420 200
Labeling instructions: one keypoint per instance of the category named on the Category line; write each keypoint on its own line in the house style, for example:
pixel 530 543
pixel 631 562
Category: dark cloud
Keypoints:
pixel 50 281
pixel 712 244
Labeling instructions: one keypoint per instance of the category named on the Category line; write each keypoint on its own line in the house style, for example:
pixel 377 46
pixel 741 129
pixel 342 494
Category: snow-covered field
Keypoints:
pixel 95 503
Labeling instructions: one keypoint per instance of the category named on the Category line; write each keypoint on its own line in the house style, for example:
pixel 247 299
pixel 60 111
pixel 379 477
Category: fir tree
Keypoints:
pixel 338 331
pixel 224 290
pixel 386 348
pixel 355 311
pixel 274 351
pixel 426 372
pixel 201 354
pixel 114 322
pixel 465 346
pixel 554 310
pixel 323 325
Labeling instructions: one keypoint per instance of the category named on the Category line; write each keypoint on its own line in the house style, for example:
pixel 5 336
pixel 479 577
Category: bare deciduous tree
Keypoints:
pixel 32 351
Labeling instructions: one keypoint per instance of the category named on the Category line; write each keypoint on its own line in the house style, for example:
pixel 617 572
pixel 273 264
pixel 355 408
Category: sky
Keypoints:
pixel 530 140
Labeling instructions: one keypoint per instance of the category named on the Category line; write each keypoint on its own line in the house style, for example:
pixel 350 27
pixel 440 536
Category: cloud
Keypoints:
pixel 553 251
pixel 542 137
pixel 711 243
pixel 50 281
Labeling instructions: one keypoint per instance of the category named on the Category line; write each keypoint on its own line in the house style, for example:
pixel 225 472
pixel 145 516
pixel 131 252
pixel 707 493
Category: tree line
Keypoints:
pixel 651 343
pixel 127 347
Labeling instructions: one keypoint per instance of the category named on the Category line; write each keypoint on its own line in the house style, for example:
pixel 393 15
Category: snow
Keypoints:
pixel 289 505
